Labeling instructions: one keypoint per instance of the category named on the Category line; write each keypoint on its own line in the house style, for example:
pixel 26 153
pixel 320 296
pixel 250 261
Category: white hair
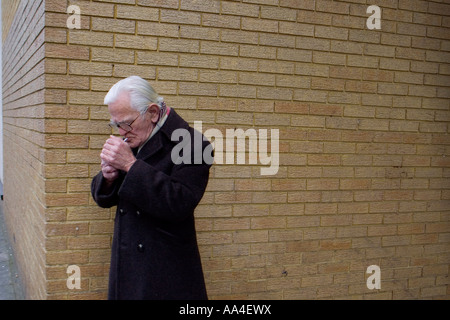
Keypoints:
pixel 141 93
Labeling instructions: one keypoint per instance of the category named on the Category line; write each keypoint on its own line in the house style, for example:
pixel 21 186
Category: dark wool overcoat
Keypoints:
pixel 154 250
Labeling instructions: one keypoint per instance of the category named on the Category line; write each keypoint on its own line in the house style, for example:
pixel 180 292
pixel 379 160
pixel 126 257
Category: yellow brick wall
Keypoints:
pixel 9 8
pixel 363 119
pixel 23 135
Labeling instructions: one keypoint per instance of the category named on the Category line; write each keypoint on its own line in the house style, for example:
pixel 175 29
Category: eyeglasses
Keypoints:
pixel 123 125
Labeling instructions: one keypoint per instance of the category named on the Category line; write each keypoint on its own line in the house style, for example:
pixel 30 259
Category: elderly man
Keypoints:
pixel 154 250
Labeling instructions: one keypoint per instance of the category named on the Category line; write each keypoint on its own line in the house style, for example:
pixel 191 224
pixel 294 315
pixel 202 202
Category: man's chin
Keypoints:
pixel 133 143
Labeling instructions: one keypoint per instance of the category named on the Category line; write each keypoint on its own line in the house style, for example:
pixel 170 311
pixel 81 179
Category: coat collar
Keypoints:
pixel 173 122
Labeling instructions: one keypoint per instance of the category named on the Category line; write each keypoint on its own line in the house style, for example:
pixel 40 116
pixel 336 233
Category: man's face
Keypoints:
pixel 141 125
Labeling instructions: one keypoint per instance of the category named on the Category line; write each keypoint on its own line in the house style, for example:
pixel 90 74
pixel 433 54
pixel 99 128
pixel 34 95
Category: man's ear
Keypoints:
pixel 153 110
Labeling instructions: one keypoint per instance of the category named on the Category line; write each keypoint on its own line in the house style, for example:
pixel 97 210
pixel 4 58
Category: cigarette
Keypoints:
pixel 125 139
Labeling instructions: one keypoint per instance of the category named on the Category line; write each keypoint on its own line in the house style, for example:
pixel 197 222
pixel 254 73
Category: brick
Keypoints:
pixel 323 135
pixel 135 42
pixel 391 39
pixel 379 50
pixel 333 7
pixel 66 51
pixel 297 4
pixel 345 72
pixel 348 21
pixel 60 171
pixel 90 242
pixel 329 58
pixel 113 25
pixel 194 32
pixel 291 107
pixel 364 36
pixel 242 64
pixel 259 79
pixel 90 38
pixel 397 89
pixel 173 4
pixel 308 69
pixel 67 82
pixel 355 184
pixel 179 45
pixel 277 40
pixel 409 53
pixel 202 89
pixel 294 28
pixel 436 56
pixel 422 91
pixel 86 98
pixel 381 230
pixel 183 17
pixel 55 66
pixel 293 55
pixel 331 84
pixel 155 58
pixel 408 77
pixel 217 48
pixel 221 21
pixel 362 61
pixel 79 185
pixel 123 71
pixel 90 68
pixel 112 55
pixel 259 52
pixel 137 13
pixel 292 81
pixel 240 91
pixel 239 36
pixel 278 13
pixel 331 32
pixel 95 9
pixel 359 86
pixel 437 8
pixel 240 9
pixel 56 35
pixel 61 200
pixel 157 29
pixel 425 43
pixel 376 100
pixel 65 141
pixel 277 94
pixel 411 29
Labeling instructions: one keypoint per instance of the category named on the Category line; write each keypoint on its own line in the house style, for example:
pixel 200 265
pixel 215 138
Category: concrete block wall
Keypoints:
pixel 363 120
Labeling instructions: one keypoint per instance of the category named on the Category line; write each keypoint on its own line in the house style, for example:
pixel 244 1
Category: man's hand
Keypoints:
pixel 109 173
pixel 116 154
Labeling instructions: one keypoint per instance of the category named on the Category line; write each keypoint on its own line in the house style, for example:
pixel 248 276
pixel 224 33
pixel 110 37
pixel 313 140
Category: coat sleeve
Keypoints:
pixel 171 198
pixel 103 196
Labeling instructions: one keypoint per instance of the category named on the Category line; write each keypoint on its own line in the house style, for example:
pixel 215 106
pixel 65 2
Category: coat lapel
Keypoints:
pixel 156 143
pixel 151 147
